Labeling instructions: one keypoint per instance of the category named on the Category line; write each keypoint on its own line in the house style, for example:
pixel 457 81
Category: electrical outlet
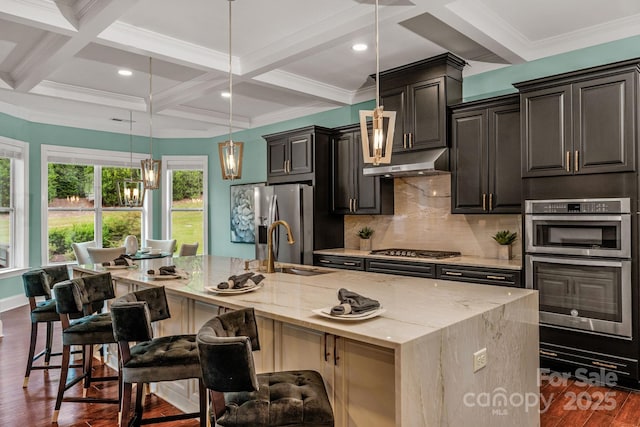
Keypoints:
pixel 479 359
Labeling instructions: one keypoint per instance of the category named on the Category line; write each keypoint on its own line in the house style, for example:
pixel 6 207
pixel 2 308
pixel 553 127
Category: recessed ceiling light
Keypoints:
pixel 359 47
pixel 124 72
pixel 225 95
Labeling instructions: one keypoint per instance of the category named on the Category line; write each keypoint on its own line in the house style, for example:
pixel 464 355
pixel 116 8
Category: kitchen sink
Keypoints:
pixel 301 271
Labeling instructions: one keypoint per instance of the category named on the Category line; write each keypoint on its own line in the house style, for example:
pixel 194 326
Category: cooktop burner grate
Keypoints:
pixel 416 253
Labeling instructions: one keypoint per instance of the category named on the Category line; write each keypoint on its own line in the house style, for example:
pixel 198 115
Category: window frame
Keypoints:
pixel 98 159
pixel 18 153
pixel 171 163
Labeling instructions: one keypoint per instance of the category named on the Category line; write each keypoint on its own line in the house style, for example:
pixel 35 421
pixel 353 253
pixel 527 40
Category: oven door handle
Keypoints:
pixel 594 262
pixel 577 218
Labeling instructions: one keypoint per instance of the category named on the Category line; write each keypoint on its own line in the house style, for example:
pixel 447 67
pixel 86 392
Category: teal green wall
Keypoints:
pixel 499 82
pixel 254 169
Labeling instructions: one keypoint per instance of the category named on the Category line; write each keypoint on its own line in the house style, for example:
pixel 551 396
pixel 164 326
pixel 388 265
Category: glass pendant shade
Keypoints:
pixel 151 173
pixel 230 154
pixel 131 193
pixel 376 149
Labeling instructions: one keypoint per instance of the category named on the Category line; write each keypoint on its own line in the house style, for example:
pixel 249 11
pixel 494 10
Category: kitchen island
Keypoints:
pixel 412 365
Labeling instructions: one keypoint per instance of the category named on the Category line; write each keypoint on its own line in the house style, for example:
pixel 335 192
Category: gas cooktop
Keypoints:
pixel 416 253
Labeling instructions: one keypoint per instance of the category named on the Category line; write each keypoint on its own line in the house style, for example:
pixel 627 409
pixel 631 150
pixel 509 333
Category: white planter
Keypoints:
pixel 130 244
pixel 504 252
pixel 365 244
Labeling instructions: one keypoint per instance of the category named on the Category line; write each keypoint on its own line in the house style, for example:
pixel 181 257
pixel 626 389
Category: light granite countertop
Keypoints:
pixel 433 328
pixel 414 306
pixel 512 264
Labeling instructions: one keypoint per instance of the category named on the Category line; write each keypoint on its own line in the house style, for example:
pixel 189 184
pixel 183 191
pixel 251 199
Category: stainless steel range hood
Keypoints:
pixel 417 163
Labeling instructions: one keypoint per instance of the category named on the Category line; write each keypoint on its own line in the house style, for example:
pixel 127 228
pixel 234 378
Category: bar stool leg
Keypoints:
pixel 32 350
pixel 125 405
pixel 202 390
pixel 64 370
pixel 49 344
pixel 88 363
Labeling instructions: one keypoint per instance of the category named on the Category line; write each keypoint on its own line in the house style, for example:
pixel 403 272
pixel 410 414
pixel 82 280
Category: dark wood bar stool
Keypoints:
pixel 239 396
pixel 169 358
pixel 37 288
pixel 79 297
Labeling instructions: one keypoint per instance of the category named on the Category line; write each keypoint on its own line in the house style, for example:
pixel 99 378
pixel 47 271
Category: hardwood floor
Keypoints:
pixel 563 404
pixel 577 404
pixel 33 406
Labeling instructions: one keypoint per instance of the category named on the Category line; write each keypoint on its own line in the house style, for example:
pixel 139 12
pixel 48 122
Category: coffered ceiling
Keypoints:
pixel 59 59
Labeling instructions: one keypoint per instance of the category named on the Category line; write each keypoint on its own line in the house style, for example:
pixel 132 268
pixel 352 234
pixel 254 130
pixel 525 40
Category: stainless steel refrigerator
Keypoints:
pixel 292 203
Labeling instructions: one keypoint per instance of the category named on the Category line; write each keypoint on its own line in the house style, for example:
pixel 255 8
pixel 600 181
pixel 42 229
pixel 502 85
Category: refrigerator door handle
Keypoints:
pixel 274 215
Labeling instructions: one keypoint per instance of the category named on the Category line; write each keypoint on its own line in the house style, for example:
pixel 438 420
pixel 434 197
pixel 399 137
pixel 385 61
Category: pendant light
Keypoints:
pixel 151 168
pixel 230 152
pixel 131 191
pixel 377 150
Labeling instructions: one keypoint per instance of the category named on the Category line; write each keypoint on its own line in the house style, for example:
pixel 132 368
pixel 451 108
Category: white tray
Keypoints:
pixel 118 267
pixel 326 312
pixel 162 276
pixel 233 291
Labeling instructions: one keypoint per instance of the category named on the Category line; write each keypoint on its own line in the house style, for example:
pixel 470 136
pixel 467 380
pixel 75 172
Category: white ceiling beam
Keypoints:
pixel 92 96
pixel 188 91
pixel 36 13
pixel 129 38
pixel 207 116
pixel 55 50
pixel 307 86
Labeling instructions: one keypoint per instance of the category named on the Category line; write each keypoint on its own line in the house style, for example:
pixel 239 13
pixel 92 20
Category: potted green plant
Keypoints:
pixel 365 238
pixel 505 239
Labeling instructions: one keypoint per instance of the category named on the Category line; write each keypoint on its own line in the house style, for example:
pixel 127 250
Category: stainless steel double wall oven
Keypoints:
pixel 578 256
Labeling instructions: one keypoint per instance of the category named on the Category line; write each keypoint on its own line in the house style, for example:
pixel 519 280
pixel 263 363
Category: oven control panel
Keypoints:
pixel 578 206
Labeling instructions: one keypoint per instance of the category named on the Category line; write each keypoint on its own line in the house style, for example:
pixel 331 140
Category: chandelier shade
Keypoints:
pixel 377 148
pixel 131 191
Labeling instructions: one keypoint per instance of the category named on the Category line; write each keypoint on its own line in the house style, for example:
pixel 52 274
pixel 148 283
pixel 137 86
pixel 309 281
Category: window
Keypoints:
pixel 14 184
pixel 82 200
pixel 185 200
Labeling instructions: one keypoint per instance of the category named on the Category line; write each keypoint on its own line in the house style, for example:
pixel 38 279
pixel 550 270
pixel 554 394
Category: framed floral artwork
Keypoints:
pixel 243 213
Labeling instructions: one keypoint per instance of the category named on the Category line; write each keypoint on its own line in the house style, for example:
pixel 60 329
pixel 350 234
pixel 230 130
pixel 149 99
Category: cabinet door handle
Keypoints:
pixel 604 365
pixel 350 205
pixel 335 350
pixel 548 353
pixel 355 205
pixel 404 140
pixel 348 263
pixel 411 140
pixel 289 166
pixel 484 201
pixel 497 277
pixel 568 161
pixel 576 163
pixel 452 273
pixel 326 353
pixel 325 261
pixel 490 201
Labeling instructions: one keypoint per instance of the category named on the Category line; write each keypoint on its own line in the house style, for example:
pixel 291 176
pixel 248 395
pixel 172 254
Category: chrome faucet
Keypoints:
pixel 270 260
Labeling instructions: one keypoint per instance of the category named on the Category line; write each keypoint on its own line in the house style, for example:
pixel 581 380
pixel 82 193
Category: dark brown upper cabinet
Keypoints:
pixel 581 122
pixel 293 156
pixel 485 156
pixel 420 93
pixel 353 193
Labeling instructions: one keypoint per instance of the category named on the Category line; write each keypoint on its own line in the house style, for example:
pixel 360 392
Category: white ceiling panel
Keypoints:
pixel 291 57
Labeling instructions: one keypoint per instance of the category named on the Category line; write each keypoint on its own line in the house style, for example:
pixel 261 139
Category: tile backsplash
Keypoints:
pixel 423 220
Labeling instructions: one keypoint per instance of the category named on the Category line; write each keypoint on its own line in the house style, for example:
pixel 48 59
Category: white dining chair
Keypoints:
pixel 81 253
pixel 188 249
pixel 99 255
pixel 168 246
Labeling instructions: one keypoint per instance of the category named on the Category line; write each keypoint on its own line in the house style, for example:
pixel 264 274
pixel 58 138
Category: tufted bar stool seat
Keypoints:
pixel 168 358
pixel 37 288
pixel 75 303
pixel 240 397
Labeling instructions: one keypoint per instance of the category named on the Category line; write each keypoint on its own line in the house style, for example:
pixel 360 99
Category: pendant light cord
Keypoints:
pixel 230 84
pixel 150 109
pixel 131 145
pixel 377 61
